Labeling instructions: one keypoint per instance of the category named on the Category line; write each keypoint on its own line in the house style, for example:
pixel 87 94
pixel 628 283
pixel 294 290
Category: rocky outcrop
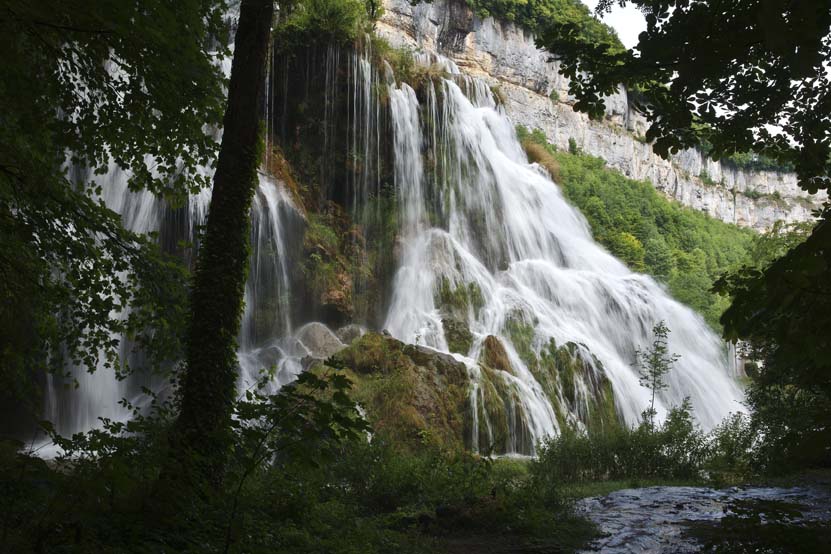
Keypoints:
pixel 410 393
pixel 536 96
pixel 494 355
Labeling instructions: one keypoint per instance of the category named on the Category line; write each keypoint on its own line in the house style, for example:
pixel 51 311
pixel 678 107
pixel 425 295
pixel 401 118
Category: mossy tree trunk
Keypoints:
pixel 200 440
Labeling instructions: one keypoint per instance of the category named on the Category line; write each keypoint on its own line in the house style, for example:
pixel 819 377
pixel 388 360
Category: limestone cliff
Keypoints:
pixel 536 96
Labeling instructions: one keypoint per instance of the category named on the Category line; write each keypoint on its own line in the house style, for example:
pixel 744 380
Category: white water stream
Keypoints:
pixel 505 227
pixel 473 212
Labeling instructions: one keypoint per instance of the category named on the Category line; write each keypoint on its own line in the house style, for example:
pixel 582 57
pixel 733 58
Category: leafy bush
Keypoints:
pixel 303 478
pixel 676 449
pixel 535 15
pixel 309 22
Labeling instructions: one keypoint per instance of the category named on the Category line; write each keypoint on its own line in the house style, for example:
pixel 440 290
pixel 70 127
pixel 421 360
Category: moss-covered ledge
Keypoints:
pixel 411 394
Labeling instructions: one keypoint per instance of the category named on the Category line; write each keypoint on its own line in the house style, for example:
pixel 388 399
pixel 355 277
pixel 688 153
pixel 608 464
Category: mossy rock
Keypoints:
pixel 521 333
pixel 503 424
pixel 458 336
pixel 411 394
pixel 457 301
pixel 494 355
pixel 559 370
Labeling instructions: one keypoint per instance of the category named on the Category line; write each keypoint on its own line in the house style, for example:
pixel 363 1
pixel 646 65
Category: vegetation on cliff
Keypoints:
pixel 754 81
pixel 370 451
pixel 683 248
pixel 535 15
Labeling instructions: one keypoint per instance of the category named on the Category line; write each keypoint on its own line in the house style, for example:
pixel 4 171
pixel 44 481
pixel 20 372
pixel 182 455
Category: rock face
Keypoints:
pixel 494 355
pixel 536 96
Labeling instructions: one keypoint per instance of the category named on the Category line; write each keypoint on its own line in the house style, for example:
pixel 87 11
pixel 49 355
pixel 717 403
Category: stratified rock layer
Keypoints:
pixel 536 96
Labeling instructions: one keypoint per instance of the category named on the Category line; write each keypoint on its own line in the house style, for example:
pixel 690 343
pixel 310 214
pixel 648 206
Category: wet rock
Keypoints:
pixel 348 333
pixel 494 355
pixel 319 340
pixel 308 362
pixel 410 393
pixel 657 519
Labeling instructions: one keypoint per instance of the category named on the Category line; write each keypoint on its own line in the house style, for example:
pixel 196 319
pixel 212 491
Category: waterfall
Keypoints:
pixel 275 223
pixel 483 239
pixel 485 219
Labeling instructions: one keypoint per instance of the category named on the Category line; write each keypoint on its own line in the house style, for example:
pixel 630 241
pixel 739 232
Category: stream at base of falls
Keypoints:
pixel 680 520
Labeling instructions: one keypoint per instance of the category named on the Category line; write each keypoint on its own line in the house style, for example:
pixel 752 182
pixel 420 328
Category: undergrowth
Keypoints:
pixel 304 477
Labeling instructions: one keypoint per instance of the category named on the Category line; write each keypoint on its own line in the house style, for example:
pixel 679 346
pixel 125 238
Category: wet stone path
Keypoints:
pixel 659 520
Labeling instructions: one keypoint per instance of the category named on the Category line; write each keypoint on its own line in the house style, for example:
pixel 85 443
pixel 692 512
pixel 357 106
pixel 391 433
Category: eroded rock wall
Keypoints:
pixel 536 96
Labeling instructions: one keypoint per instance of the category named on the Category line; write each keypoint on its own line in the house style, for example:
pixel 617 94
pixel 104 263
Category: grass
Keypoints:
pixel 602 488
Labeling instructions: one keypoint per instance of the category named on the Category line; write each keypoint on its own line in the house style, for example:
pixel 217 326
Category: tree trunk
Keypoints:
pixel 200 440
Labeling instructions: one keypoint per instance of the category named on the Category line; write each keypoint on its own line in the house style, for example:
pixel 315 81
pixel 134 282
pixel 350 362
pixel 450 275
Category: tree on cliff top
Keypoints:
pixel 742 74
pixel 535 15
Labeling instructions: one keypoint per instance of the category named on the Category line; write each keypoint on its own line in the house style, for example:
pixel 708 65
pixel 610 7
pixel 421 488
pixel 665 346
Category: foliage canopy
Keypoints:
pixel 535 15
pixel 743 74
pixel 90 88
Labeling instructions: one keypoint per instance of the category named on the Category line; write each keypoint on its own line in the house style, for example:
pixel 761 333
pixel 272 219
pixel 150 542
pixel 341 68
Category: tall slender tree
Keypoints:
pixel 654 364
pixel 201 437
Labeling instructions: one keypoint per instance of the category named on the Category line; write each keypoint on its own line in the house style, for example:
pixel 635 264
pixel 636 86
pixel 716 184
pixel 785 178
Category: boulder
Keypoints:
pixel 318 340
pixel 348 333
pixel 458 336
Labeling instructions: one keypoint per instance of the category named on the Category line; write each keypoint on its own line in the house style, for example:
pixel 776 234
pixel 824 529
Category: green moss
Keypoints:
pixel 494 355
pixel 327 268
pixel 558 371
pixel 493 420
pixel 508 421
pixel 411 395
pixel 458 336
pixel 404 65
pixel 499 95
pixel 706 179
pixel 521 333
pixel 457 300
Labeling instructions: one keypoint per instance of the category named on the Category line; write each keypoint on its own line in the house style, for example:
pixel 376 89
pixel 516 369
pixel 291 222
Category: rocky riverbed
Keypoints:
pixel 682 520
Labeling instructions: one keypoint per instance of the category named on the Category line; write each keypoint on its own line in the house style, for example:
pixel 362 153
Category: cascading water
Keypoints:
pixel 275 222
pixel 498 225
pixel 473 218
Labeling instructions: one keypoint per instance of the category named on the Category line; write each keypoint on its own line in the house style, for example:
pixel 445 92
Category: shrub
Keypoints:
pixel 321 22
pixel 677 449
